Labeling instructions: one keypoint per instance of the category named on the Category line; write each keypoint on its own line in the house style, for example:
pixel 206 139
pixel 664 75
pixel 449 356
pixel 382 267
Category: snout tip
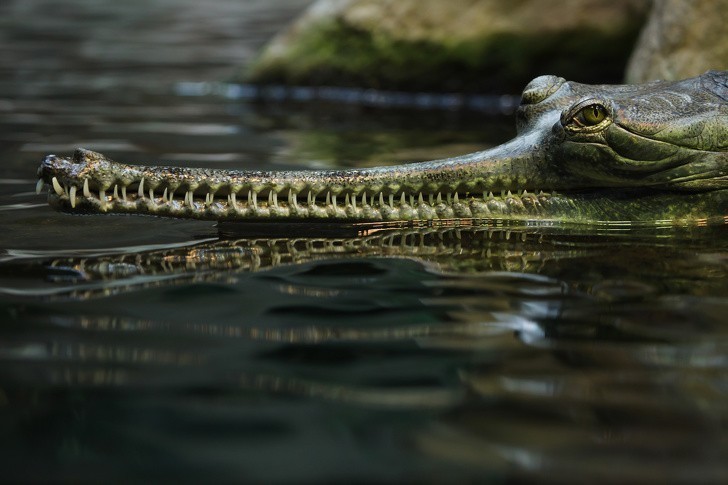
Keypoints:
pixel 50 165
pixel 46 164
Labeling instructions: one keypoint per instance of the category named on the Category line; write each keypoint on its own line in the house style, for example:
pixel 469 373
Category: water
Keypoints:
pixel 143 348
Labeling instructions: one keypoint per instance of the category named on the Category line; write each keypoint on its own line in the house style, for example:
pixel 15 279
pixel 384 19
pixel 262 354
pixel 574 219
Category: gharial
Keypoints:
pixel 655 152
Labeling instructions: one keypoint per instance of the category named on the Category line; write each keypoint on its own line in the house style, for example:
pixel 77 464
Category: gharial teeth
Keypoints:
pixel 141 189
pixel 86 191
pixel 39 186
pixel 57 187
pixel 73 196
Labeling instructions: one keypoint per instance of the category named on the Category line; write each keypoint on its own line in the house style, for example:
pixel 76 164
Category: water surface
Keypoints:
pixel 147 348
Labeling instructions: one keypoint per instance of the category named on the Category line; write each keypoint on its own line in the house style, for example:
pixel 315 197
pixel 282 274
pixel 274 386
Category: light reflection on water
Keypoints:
pixel 144 347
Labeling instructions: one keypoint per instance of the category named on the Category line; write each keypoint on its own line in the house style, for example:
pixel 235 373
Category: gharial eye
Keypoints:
pixel 587 116
pixel 590 115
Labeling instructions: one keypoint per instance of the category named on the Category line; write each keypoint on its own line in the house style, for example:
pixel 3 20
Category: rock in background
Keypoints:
pixel 453 45
pixel 681 39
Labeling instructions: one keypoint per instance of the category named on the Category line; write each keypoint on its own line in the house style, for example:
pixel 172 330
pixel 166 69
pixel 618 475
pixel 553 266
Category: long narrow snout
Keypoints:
pixel 501 181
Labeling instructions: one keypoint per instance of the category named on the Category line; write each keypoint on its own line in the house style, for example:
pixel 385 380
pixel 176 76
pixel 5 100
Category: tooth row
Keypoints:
pixel 427 206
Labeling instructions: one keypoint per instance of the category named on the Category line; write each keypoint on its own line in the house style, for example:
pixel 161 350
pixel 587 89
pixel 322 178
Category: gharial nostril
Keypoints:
pixel 78 155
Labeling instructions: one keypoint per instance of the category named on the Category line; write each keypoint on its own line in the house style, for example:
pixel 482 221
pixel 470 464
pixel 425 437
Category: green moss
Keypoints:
pixel 337 54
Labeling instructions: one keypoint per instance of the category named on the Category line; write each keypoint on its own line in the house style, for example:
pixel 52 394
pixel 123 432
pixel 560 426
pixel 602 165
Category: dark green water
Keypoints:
pixel 144 348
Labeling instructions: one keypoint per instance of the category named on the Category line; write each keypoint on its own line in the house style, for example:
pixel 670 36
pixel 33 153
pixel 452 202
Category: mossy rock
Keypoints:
pixel 340 49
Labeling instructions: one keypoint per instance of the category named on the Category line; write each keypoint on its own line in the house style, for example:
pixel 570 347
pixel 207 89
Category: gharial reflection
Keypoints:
pixel 621 259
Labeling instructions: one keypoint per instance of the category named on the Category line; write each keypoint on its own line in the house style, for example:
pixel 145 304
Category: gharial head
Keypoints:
pixel 667 134
pixel 632 141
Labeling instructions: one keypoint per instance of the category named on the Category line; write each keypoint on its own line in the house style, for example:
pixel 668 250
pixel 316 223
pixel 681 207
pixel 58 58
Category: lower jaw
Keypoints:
pixel 598 206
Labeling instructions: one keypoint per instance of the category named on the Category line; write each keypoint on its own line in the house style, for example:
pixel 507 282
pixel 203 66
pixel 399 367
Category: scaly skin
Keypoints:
pixel 655 153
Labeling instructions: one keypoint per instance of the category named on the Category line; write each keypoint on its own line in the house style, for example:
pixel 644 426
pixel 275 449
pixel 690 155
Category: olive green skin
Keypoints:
pixel 654 153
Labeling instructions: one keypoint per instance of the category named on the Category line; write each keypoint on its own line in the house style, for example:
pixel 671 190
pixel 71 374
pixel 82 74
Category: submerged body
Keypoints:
pixel 654 153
